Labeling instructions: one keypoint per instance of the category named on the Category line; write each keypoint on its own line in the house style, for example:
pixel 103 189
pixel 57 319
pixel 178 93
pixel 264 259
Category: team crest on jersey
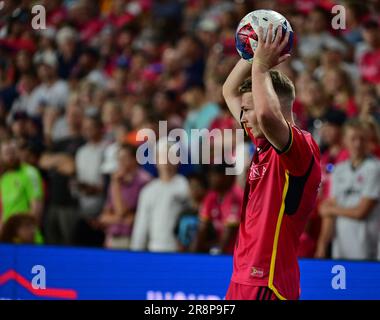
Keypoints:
pixel 257 272
pixel 257 171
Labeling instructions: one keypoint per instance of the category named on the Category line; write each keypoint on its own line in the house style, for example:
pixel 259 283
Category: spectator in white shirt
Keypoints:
pixel 28 99
pixel 312 43
pixel 159 206
pixel 52 92
pixel 352 214
pixel 88 168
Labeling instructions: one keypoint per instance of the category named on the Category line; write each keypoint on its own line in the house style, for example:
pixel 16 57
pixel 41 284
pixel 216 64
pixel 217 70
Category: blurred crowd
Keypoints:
pixel 74 96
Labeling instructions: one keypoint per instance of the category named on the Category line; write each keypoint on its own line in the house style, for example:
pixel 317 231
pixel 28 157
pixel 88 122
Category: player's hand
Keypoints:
pixel 268 53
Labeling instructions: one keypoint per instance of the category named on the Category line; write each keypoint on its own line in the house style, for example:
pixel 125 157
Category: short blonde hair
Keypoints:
pixel 282 85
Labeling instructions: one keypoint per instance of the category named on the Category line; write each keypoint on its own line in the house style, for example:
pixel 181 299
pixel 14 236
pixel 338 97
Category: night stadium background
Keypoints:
pixel 76 88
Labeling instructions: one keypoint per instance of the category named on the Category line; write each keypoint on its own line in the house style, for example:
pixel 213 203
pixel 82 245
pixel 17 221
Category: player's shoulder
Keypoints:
pixel 299 134
pixel 303 133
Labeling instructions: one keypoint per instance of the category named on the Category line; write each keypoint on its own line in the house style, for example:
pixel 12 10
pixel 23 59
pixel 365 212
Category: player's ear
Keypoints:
pixel 242 124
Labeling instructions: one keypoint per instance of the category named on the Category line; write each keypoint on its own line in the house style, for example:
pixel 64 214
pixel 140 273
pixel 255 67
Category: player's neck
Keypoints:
pixel 289 118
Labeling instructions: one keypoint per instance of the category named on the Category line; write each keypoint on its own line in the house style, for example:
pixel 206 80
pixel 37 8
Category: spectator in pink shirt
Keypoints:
pixel 123 192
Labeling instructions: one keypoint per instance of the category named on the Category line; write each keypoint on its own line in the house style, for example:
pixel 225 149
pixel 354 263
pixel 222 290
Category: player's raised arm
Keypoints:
pixel 267 105
pixel 231 87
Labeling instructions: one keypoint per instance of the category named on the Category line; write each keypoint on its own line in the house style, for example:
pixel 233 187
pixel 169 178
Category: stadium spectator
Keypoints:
pixel 28 99
pixel 18 126
pixel 52 92
pixel 191 55
pixel 111 118
pixel 220 209
pixel 373 133
pixel 188 221
pixel 138 62
pixel 355 12
pixel 20 186
pixel 110 159
pixel 123 192
pixel 139 119
pixel 166 105
pixel 338 88
pixel 317 35
pixel 369 61
pixel 332 148
pixel 67 125
pixel 333 58
pixel 353 210
pixel 67 49
pixel 88 161
pixel 332 153
pixel 315 104
pixel 19 229
pixel 172 76
pixel 58 161
pixel 160 203
pixel 201 112
pixel 369 102
pixel 88 67
pixel 89 182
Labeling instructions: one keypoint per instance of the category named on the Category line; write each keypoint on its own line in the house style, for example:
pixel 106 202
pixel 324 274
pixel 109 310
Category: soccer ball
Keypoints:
pixel 246 39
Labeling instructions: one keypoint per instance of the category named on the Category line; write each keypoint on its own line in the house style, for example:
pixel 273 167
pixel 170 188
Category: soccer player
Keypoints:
pixel 283 178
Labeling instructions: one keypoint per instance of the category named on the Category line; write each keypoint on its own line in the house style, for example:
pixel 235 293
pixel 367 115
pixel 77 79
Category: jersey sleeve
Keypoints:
pixel 297 155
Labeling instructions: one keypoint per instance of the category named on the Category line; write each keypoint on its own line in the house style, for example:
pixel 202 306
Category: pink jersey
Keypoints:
pixel 280 193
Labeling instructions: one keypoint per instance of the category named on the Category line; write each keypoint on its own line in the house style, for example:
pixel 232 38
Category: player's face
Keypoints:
pixel 249 118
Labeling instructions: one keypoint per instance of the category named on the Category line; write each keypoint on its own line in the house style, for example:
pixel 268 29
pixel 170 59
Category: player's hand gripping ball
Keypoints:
pixel 246 38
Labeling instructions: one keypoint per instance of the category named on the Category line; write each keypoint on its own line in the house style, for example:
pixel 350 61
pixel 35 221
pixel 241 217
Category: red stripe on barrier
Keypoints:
pixel 48 292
